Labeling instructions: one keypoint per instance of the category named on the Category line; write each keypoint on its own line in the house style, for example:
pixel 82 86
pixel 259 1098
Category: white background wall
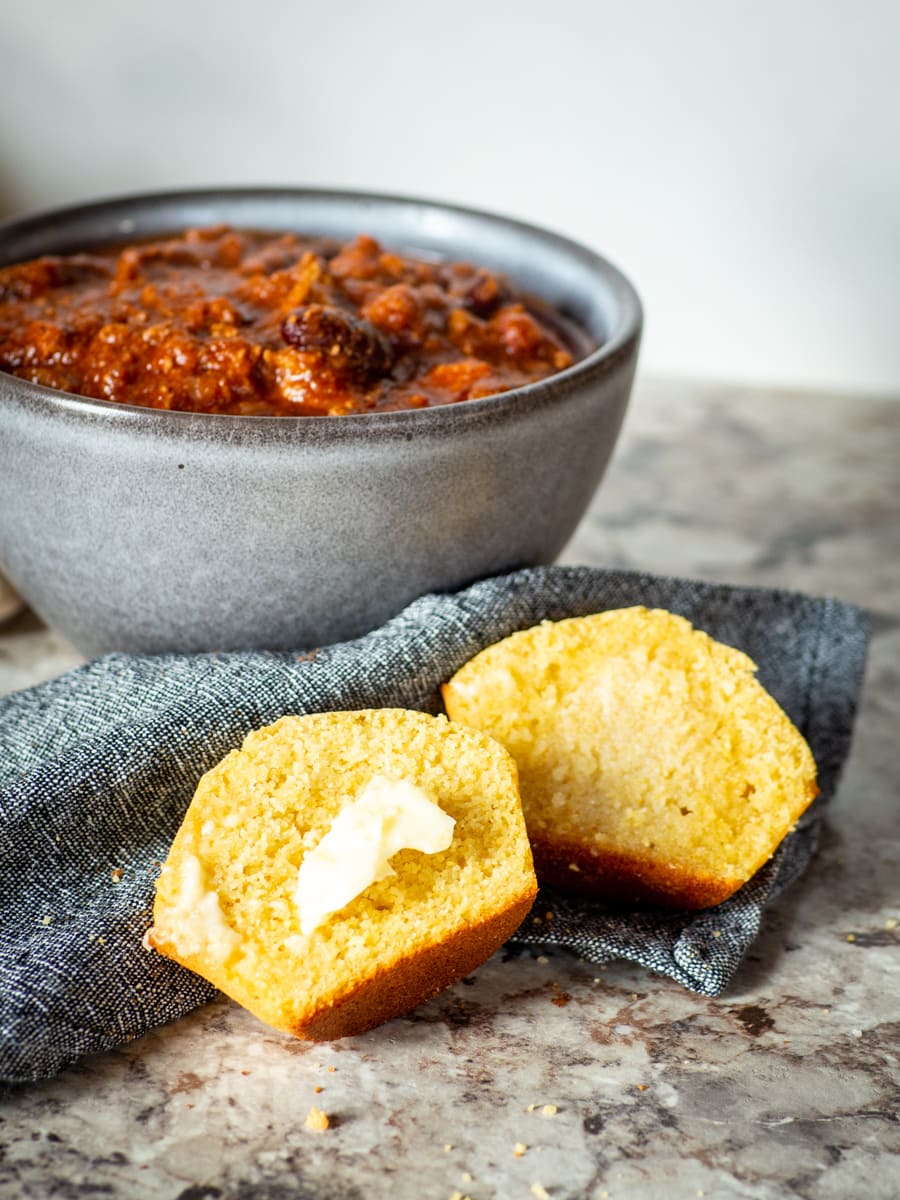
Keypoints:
pixel 741 161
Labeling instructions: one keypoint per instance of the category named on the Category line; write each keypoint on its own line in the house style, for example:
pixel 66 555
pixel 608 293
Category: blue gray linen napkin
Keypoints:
pixel 97 768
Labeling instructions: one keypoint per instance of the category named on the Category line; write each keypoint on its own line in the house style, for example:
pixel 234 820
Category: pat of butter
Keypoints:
pixel 389 815
pixel 200 925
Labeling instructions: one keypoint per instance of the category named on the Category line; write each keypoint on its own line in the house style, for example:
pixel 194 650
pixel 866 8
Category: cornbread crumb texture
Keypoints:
pixel 652 763
pixel 225 903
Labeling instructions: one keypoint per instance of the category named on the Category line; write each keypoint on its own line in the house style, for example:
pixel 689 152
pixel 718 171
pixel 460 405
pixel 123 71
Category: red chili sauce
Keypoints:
pixel 225 321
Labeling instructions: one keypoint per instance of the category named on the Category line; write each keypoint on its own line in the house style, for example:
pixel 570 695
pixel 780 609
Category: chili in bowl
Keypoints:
pixel 220 320
pixel 272 417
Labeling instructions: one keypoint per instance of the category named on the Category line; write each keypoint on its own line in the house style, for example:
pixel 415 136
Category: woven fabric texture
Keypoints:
pixel 98 766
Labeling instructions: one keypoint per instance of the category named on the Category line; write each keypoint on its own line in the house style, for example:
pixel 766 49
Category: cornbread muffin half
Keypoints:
pixel 288 888
pixel 653 766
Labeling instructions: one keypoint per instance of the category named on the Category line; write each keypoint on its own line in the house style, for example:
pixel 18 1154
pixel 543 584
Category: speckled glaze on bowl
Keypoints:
pixel 147 531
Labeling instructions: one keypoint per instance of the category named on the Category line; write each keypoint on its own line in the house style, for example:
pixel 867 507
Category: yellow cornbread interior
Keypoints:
pixel 265 806
pixel 637 735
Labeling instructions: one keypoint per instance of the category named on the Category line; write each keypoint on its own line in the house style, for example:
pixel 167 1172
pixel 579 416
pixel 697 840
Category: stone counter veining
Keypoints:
pixel 788 1085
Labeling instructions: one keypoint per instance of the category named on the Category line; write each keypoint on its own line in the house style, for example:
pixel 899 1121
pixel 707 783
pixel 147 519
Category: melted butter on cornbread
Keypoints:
pixel 389 815
pixel 200 927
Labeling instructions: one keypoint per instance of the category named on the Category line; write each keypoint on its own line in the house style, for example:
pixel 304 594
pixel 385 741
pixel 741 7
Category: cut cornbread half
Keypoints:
pixel 653 766
pixel 227 898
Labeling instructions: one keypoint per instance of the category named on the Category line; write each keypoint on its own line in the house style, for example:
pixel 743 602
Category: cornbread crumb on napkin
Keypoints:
pixel 98 768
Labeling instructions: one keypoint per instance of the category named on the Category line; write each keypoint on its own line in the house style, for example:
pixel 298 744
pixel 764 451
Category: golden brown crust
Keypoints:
pixel 412 980
pixel 389 992
pixel 613 875
pixel 610 875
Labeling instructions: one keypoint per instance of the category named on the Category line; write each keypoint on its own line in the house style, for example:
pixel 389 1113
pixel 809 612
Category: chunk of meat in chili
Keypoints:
pixel 220 320
pixel 349 345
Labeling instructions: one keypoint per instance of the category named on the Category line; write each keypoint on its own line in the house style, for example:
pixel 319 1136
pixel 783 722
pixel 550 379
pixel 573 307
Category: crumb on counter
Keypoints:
pixel 316 1120
pixel 559 997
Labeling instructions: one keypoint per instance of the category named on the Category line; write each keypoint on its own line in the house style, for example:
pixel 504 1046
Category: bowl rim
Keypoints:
pixel 621 343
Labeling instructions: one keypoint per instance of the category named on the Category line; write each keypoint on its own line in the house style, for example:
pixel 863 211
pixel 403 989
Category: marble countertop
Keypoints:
pixel 788 1085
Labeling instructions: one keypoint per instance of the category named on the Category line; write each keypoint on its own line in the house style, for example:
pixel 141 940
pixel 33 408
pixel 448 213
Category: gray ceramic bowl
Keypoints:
pixel 142 530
